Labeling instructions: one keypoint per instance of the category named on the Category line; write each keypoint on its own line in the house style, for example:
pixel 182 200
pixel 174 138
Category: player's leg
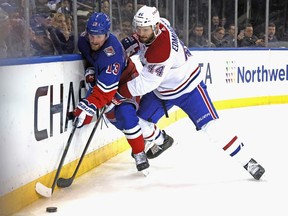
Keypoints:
pixel 126 120
pixel 151 109
pixel 201 111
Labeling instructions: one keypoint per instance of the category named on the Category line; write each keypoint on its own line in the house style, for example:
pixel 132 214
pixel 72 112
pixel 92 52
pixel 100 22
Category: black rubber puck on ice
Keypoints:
pixel 51 209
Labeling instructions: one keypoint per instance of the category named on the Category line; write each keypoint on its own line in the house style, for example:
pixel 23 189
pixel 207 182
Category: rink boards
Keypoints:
pixel 37 94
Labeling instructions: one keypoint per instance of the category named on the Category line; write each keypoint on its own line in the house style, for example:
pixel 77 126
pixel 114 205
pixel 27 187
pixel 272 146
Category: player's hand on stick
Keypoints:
pixel 84 113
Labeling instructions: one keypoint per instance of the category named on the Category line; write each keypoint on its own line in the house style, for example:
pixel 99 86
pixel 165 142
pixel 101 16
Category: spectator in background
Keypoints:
pixel 217 37
pixel 223 22
pixel 16 40
pixel 62 39
pixel 41 7
pixel 5 28
pixel 128 8
pixel 272 33
pixel 41 44
pixel 215 22
pixel 197 38
pixel 230 35
pixel 44 20
pixel 282 34
pixel 126 28
pixel 126 18
pixel 69 23
pixel 59 20
pixel 248 39
pixel 65 7
pixel 272 38
pixel 81 24
pixel 105 7
pixel 53 5
pixel 11 10
pixel 127 11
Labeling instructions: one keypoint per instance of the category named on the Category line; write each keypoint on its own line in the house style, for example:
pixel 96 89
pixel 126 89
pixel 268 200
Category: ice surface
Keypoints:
pixel 191 178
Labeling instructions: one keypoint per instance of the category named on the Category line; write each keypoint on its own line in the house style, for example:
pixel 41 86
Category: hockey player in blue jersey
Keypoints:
pixel 171 77
pixel 109 68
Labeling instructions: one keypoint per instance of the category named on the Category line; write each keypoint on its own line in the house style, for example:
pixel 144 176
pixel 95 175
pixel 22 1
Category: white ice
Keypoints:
pixel 192 178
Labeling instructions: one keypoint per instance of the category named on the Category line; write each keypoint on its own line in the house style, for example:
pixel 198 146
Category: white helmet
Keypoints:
pixel 146 16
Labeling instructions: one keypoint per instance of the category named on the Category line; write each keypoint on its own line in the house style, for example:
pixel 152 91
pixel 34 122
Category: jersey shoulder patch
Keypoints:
pixel 109 51
pixel 159 50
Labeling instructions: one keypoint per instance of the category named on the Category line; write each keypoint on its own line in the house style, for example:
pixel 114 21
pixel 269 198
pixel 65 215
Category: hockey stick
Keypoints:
pixel 66 182
pixel 46 191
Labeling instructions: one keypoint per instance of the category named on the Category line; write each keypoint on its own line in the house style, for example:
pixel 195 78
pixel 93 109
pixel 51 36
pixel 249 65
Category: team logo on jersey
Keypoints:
pixel 109 51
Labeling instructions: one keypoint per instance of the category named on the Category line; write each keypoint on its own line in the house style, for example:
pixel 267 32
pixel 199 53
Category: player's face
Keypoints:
pixel 96 41
pixel 145 34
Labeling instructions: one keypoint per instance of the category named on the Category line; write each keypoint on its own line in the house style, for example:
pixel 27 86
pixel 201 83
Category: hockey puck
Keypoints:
pixel 51 209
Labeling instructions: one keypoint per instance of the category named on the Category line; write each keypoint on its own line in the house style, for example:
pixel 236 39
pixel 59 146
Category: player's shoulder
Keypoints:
pixel 113 41
pixel 113 47
pixel 111 52
pixel 83 36
pixel 159 50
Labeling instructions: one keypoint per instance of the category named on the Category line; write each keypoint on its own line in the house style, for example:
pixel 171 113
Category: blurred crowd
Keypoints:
pixel 48 26
pixel 225 36
pixel 50 29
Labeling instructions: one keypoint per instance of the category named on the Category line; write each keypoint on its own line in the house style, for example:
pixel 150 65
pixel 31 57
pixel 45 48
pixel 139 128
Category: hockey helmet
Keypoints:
pixel 98 23
pixel 146 16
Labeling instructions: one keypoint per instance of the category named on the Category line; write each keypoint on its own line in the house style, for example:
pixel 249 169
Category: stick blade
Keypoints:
pixel 62 182
pixel 43 190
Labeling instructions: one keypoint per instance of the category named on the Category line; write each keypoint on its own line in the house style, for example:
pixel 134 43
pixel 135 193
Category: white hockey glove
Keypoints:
pixel 84 113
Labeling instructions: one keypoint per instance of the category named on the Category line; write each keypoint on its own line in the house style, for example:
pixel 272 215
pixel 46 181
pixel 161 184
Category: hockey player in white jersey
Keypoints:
pixel 170 76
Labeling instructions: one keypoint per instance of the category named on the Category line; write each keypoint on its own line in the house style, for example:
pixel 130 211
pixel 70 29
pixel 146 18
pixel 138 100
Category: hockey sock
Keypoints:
pixel 151 132
pixel 227 140
pixel 135 139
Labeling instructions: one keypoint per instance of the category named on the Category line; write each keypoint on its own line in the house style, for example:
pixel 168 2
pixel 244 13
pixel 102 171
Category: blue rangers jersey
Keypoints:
pixel 108 62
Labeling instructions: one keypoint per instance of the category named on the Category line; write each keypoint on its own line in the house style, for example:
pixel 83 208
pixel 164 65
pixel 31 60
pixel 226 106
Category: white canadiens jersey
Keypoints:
pixel 168 67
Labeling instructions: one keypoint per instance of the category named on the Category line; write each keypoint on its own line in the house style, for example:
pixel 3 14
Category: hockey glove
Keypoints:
pixel 118 99
pixel 90 77
pixel 84 113
pixel 130 44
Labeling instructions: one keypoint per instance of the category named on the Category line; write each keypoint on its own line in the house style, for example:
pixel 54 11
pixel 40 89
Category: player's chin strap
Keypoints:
pixel 156 32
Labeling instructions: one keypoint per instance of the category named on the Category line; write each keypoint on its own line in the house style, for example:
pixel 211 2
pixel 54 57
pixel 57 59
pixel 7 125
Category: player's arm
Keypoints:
pixel 131 45
pixel 101 95
pixel 156 67
pixel 103 92
pixel 148 80
pixel 130 72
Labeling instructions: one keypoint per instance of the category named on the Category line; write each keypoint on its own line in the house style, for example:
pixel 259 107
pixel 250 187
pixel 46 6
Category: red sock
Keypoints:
pixel 137 144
